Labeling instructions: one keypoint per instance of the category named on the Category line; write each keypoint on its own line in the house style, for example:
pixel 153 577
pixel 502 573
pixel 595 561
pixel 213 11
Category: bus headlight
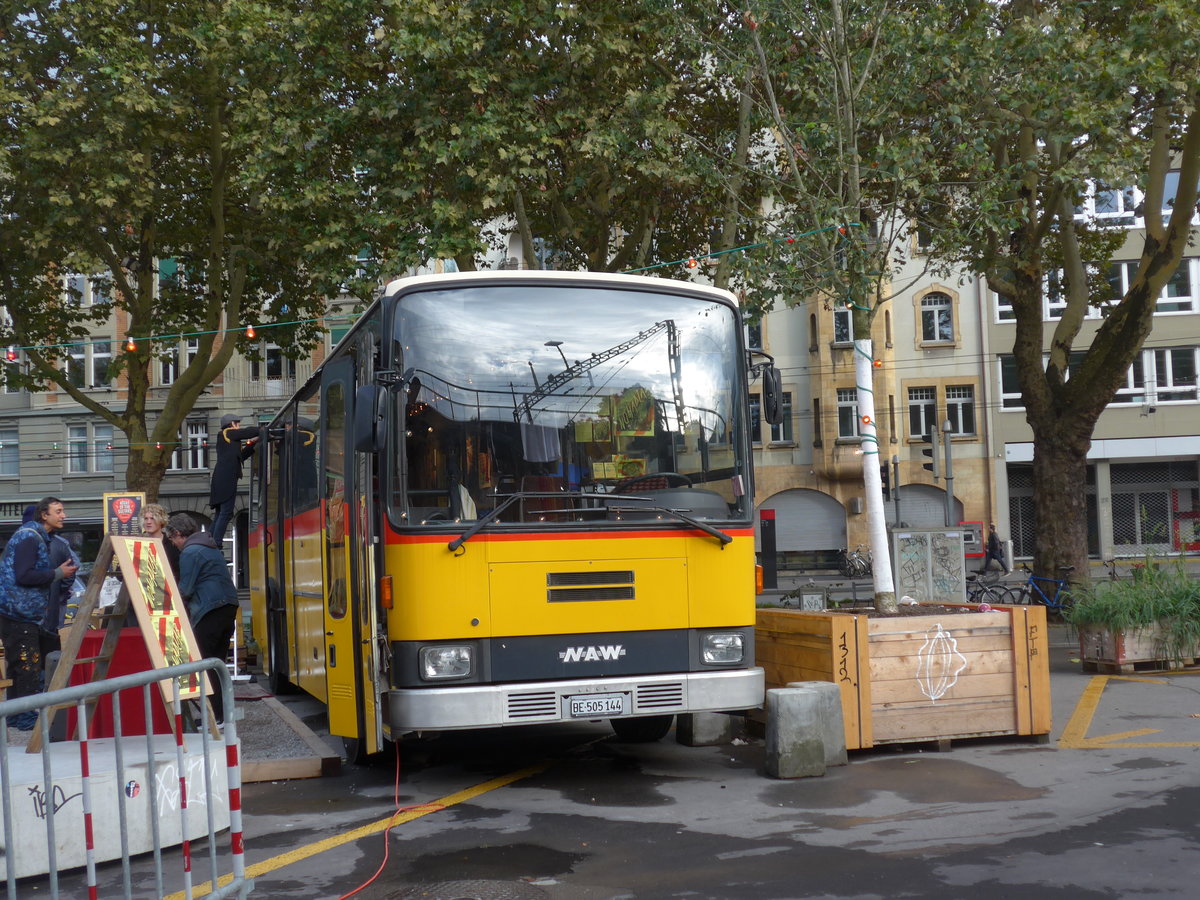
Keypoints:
pixel 723 648
pixel 447 661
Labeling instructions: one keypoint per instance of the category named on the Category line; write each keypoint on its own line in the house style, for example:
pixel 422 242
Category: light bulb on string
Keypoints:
pixel 691 263
pixel 131 345
pixel 11 355
pixel 250 332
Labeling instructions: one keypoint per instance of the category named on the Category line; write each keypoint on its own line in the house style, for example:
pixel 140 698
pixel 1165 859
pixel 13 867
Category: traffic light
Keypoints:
pixel 885 477
pixel 933 466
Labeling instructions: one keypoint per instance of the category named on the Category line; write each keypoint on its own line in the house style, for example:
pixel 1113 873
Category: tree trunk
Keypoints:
pixel 143 475
pixel 1059 498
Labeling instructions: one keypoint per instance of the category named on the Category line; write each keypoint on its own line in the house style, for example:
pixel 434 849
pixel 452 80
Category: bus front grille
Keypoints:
pixel 582 587
pixel 533 705
pixel 659 696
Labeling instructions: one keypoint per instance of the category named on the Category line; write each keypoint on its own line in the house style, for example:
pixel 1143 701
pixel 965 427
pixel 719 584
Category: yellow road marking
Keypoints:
pixel 1074 736
pixel 424 809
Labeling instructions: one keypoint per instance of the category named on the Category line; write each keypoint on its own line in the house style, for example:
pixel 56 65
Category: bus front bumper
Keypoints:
pixel 485 706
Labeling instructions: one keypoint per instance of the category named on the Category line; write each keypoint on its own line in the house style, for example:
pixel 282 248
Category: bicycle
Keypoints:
pixel 1036 589
pixel 988 589
pixel 852 564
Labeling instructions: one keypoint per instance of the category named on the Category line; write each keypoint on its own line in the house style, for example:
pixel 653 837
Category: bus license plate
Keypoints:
pixel 598 706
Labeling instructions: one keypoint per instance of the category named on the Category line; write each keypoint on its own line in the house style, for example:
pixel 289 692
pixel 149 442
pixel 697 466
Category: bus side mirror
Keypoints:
pixel 772 395
pixel 368 418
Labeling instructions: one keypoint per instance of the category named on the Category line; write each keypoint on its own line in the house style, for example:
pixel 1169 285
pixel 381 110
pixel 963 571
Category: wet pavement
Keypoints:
pixel 1108 808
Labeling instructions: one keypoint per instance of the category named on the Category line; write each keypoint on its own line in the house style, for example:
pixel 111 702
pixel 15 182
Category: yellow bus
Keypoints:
pixel 509 498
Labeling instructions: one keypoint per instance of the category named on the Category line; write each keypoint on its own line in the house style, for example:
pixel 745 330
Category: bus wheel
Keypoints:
pixel 642 730
pixel 356 753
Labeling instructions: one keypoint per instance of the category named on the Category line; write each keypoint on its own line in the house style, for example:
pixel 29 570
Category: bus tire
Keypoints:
pixel 643 729
pixel 356 754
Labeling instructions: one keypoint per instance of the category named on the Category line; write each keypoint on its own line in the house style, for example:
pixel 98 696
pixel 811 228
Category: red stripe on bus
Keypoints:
pixel 394 538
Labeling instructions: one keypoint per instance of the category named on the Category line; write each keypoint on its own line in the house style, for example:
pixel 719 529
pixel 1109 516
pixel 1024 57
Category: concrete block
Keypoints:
pixel 703 729
pixel 793 748
pixel 829 722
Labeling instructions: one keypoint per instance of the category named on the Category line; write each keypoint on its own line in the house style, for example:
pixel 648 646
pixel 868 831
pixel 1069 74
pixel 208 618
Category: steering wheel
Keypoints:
pixel 669 477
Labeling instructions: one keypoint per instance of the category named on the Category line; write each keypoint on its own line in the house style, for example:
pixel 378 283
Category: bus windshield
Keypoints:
pixel 567 404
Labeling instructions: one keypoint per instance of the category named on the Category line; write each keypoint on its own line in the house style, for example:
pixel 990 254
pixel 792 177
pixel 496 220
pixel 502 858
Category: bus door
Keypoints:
pixel 348 650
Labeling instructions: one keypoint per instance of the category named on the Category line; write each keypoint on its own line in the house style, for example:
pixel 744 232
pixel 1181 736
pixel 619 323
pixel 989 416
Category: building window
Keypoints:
pixel 87 364
pixel 755 419
pixel 273 366
pixel 754 335
pixel 782 433
pixel 1175 374
pixel 843 326
pixel 1134 388
pixel 937 319
pixel 1179 294
pixel 818 430
pixel 10 459
pixel 89 449
pixel 847 403
pixel 84 290
pixel 1003 306
pixel 922 411
pixel 179 360
pixel 960 409
pixel 1010 385
pixel 192 452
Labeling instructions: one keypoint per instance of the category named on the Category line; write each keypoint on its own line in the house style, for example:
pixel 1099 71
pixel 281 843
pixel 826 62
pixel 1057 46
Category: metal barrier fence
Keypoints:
pixel 151 787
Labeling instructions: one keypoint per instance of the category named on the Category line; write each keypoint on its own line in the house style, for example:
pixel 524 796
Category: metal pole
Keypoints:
pixel 896 486
pixel 946 429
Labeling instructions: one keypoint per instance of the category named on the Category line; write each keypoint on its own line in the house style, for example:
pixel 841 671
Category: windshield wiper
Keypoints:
pixel 625 498
pixel 683 517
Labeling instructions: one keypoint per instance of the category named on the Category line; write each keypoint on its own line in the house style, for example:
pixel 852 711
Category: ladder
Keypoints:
pixel 114 621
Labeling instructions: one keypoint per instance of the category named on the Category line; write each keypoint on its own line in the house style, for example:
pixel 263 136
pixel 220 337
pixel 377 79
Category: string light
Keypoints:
pixel 250 332
pixel 131 345
pixel 11 355
pixel 879 363
pixel 691 263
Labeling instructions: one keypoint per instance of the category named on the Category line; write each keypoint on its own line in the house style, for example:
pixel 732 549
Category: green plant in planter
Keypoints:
pixel 1163 595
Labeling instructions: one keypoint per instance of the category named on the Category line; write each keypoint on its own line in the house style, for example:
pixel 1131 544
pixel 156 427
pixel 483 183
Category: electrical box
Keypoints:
pixel 929 564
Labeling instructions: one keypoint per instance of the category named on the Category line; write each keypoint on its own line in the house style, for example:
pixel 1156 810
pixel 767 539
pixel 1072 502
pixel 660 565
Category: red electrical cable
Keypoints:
pixel 387 831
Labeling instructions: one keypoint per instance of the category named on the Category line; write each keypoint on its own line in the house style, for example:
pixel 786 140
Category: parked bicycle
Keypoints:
pixel 987 588
pixel 855 564
pixel 1052 593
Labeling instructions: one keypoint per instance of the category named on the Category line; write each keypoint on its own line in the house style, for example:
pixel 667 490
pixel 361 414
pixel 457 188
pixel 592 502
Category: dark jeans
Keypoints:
pixel 213 634
pixel 23 656
pixel 221 520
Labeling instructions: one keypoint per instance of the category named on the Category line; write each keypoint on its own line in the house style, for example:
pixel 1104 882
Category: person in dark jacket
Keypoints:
pixel 995 550
pixel 212 601
pixel 26 577
pixel 228 471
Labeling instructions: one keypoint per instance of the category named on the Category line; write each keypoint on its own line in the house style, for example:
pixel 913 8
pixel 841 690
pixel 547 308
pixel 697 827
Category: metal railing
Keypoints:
pixel 152 787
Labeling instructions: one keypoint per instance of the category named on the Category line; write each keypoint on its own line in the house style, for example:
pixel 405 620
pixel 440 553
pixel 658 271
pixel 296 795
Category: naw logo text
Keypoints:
pixel 591 654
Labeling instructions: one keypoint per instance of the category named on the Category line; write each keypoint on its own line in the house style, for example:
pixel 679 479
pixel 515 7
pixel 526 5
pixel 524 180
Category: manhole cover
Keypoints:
pixel 471 890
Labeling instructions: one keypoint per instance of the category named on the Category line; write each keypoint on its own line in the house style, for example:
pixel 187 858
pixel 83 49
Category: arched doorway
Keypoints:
pixel 922 506
pixel 810 528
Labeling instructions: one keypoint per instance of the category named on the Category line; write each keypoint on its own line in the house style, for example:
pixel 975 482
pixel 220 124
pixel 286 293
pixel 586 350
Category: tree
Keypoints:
pixel 1035 106
pixel 588 129
pixel 216 135
pixel 825 76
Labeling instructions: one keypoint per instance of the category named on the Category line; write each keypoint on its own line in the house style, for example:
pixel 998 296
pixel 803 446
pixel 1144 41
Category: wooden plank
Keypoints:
pixel 1037 655
pixel 966 687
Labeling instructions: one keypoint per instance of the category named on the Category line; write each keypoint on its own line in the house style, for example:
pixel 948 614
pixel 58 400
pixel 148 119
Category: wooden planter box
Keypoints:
pixel 1137 649
pixel 918 678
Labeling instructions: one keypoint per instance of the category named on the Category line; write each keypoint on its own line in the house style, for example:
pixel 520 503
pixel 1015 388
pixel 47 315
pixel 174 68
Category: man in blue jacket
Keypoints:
pixel 212 601
pixel 26 575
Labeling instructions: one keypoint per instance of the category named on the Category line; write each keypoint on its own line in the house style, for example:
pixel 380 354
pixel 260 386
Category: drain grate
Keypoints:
pixel 471 890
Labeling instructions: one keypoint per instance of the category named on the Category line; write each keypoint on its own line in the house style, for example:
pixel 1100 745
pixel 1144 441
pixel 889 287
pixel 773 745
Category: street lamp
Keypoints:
pixel 557 345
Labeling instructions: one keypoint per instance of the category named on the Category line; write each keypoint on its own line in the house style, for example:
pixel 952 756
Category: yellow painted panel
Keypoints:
pixel 520 604
pixel 441 595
